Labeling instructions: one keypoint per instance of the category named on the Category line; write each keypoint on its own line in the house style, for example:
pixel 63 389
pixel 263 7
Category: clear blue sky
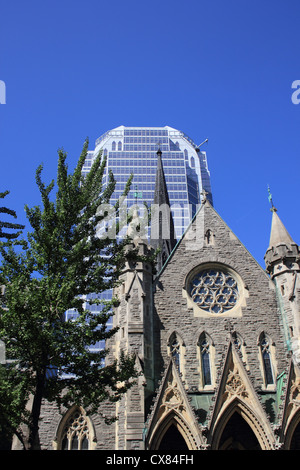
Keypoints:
pixel 214 69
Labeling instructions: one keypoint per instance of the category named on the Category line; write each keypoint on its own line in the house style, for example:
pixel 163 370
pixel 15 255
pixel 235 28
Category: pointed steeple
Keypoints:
pixel 161 195
pixel 283 264
pixel 162 224
pixel 279 234
pixel 281 246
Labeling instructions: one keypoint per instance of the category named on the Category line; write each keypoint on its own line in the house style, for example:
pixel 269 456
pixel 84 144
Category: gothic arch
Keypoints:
pixel 247 416
pixel 172 413
pixel 173 420
pixel 75 424
pixel 292 436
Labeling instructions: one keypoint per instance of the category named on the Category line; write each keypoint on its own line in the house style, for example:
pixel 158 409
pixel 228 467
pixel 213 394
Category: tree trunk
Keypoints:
pixel 33 442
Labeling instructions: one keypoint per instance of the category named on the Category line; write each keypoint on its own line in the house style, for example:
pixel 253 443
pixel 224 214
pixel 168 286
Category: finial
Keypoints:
pixel 204 195
pixel 137 194
pixel 158 149
pixel 273 209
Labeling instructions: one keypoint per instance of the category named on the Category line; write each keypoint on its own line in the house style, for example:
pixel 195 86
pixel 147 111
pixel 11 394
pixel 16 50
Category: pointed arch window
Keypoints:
pixel 265 350
pixel 176 351
pixel 75 431
pixel 113 146
pixel 205 359
pixel 239 344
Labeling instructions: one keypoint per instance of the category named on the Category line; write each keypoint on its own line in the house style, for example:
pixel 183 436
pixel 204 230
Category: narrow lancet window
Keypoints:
pixel 205 360
pixel 266 358
pixel 175 351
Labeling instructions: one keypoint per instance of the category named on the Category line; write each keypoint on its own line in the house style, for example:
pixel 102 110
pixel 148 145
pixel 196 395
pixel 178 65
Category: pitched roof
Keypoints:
pixel 279 234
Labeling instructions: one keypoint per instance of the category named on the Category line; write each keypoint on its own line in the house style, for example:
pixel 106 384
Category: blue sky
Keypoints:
pixel 213 69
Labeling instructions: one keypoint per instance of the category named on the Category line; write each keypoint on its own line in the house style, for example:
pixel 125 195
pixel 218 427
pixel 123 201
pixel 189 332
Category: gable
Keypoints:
pixel 172 406
pixel 209 236
pixel 208 243
pixel 211 252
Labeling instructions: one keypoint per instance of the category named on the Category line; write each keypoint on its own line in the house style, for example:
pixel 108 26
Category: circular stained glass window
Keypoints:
pixel 214 290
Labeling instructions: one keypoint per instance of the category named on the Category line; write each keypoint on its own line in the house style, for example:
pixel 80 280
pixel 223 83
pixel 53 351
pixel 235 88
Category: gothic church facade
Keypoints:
pixel 216 341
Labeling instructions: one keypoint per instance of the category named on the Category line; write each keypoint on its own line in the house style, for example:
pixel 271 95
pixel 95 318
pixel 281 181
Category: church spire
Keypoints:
pixel 282 249
pixel 162 224
pixel 279 234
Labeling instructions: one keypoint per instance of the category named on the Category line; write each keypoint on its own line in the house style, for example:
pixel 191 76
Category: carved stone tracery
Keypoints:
pixel 234 385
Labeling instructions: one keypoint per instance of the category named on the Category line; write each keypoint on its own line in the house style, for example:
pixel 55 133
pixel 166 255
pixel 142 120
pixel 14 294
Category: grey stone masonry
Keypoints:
pixel 209 242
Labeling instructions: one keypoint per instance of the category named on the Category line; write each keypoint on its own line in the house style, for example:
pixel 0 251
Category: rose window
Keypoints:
pixel 214 290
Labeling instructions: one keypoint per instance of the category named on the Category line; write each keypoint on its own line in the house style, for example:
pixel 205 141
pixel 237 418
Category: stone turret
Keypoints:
pixel 283 253
pixel 283 264
pixel 135 336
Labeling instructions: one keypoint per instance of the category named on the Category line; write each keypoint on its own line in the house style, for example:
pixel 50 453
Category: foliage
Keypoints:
pixel 9 225
pixel 61 261
pixel 14 393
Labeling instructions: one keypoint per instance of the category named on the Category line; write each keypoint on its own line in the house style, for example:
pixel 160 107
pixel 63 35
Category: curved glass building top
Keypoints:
pixel 133 150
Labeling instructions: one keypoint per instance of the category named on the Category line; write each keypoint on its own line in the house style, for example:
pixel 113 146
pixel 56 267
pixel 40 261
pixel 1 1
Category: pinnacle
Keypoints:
pixel 279 234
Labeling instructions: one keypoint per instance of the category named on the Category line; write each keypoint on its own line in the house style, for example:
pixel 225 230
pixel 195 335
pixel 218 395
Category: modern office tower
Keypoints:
pixel 133 150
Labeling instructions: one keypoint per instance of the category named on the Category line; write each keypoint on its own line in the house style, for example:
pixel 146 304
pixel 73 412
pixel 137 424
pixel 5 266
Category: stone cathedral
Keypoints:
pixel 216 341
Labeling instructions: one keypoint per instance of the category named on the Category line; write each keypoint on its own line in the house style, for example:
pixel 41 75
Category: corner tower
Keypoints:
pixel 282 260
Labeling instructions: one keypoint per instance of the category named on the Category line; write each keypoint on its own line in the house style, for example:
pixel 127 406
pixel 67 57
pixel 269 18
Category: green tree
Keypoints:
pixel 9 225
pixel 13 394
pixel 13 398
pixel 62 260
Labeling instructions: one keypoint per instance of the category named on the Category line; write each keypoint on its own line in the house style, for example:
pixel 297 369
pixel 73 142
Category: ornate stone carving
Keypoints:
pixel 234 385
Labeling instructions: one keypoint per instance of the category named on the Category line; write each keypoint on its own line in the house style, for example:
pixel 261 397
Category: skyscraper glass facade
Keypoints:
pixel 133 150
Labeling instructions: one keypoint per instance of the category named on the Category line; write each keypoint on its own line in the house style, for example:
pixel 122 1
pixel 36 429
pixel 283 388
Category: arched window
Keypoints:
pixel 205 359
pixel 75 431
pixel 240 346
pixel 192 162
pixel 113 146
pixel 176 350
pixel 119 145
pixel 265 351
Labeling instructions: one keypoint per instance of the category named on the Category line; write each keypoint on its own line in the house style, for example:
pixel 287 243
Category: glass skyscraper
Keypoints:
pixel 133 150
